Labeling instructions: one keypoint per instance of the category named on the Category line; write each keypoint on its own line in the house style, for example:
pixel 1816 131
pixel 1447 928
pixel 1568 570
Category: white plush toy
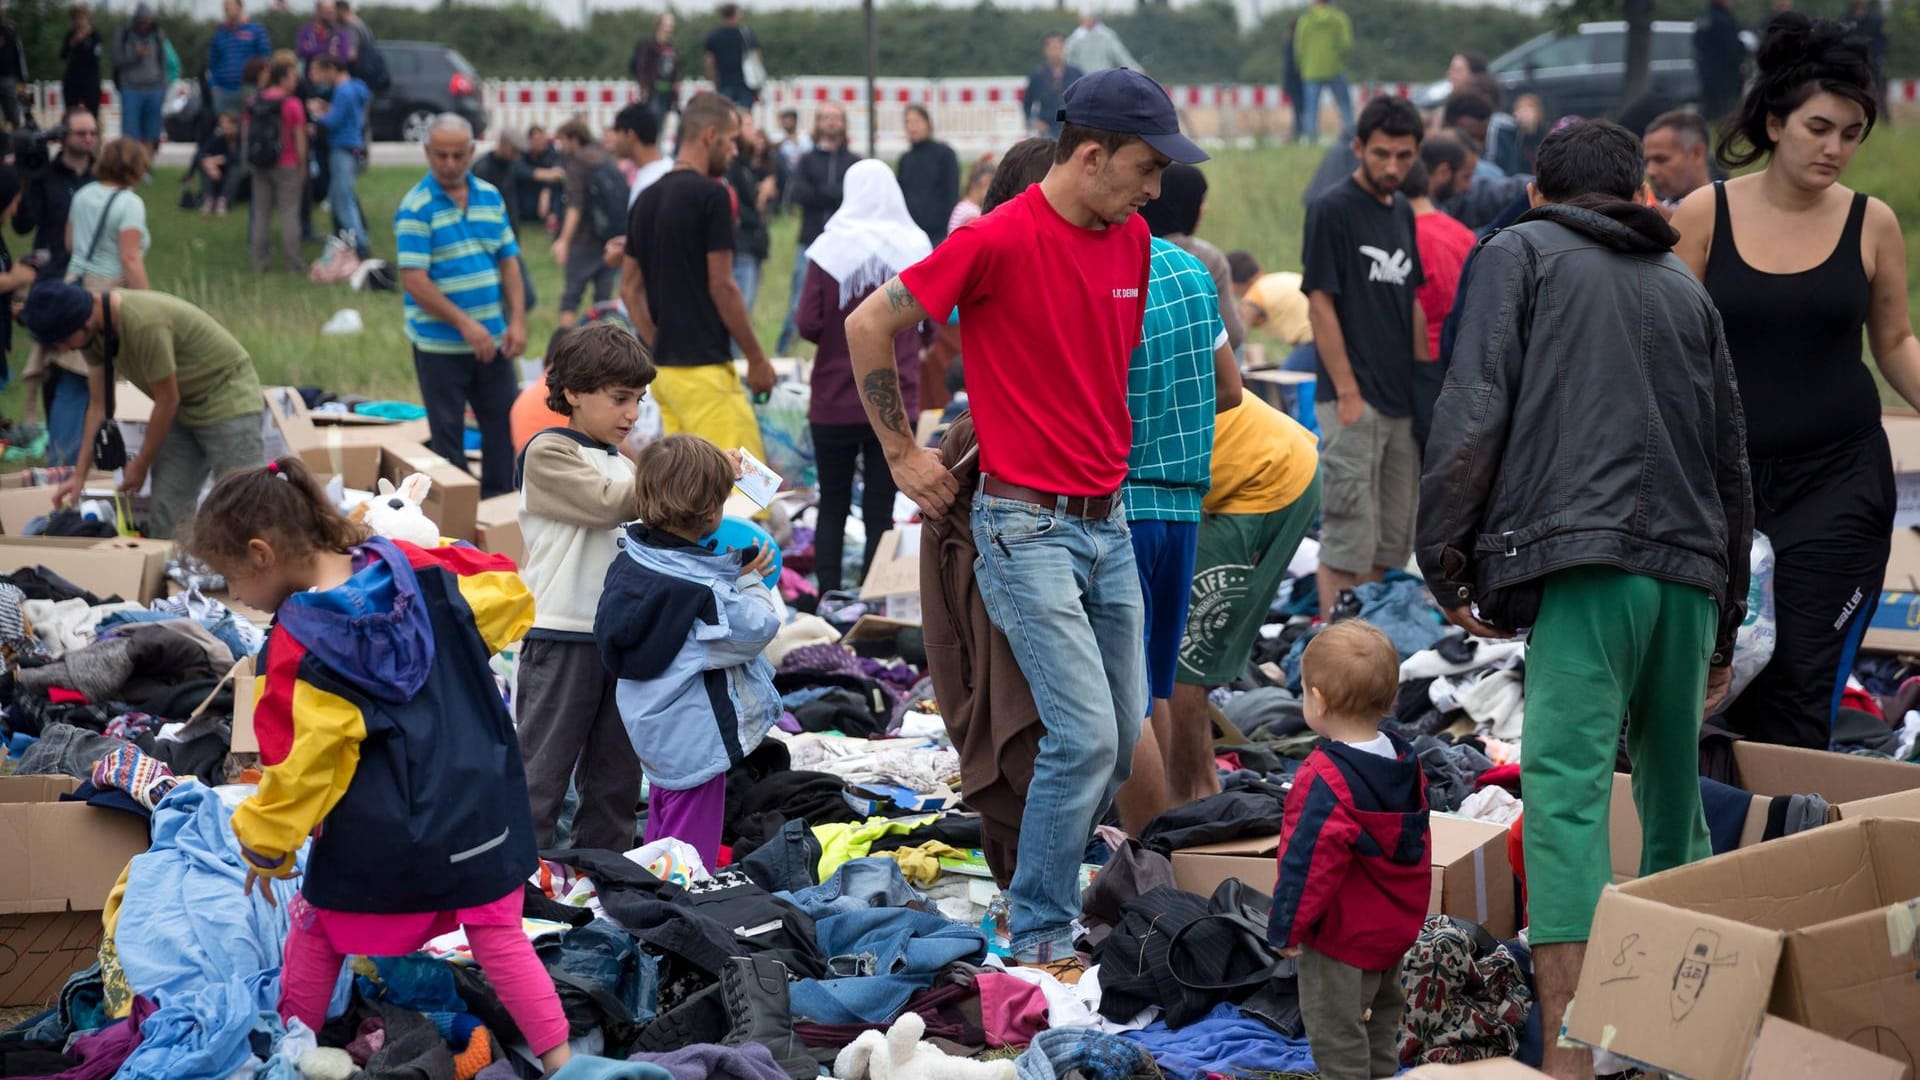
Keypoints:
pixel 395 512
pixel 900 1055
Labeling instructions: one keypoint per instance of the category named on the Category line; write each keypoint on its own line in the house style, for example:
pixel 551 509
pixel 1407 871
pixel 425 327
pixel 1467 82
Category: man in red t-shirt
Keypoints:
pixel 1444 247
pixel 1051 289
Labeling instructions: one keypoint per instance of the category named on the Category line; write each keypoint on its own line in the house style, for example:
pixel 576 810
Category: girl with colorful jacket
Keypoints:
pixel 382 736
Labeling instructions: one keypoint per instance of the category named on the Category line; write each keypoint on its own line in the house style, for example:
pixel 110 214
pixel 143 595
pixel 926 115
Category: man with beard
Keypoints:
pixel 677 281
pixel 1052 289
pixel 1362 271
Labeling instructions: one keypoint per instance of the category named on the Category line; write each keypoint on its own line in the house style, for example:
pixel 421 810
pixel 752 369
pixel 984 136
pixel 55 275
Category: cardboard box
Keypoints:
pixel 356 464
pixel 1903 438
pixel 1855 787
pixel 497 527
pixel 1472 878
pixel 454 501
pixel 24 478
pixel 134 570
pixel 61 860
pixel 1787 1051
pixel 1822 929
pixel 20 505
pixel 1491 1069
pixel 894 578
pixel 1252 859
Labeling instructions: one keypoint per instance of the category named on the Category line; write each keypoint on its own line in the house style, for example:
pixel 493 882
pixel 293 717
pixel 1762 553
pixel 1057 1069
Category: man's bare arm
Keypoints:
pixel 870 333
pixel 880 382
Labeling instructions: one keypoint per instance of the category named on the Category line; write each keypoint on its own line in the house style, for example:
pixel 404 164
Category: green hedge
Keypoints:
pixel 1397 40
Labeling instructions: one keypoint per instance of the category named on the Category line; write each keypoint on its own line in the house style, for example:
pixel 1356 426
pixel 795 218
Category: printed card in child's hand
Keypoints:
pixel 757 481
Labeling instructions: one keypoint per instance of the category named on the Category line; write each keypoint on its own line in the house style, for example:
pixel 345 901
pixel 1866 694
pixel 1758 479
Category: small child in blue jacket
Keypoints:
pixel 682 627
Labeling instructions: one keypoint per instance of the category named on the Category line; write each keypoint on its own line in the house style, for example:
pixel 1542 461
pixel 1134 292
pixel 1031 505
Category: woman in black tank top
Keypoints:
pixel 1822 471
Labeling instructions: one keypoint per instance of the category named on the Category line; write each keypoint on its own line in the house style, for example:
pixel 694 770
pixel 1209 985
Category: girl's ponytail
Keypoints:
pixel 282 502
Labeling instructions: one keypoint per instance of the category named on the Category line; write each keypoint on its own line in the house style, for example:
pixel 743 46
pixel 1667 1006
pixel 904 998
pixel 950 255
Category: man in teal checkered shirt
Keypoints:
pixel 1182 373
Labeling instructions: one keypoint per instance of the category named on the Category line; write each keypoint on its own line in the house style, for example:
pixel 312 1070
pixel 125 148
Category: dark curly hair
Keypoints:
pixel 1800 57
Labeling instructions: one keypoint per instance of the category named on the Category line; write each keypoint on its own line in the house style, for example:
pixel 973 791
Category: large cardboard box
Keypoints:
pixel 454 501
pixel 1822 929
pixel 1472 878
pixel 1855 787
pixel 61 860
pixel 133 569
pixel 497 528
pixel 894 578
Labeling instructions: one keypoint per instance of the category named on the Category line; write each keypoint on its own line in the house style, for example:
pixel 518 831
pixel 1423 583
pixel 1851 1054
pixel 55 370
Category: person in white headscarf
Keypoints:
pixel 866 242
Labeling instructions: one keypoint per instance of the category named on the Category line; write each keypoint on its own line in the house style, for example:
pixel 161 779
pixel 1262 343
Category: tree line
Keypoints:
pixel 1394 40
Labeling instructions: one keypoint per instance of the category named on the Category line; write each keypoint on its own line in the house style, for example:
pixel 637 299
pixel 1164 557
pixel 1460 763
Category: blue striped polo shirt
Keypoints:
pixel 461 254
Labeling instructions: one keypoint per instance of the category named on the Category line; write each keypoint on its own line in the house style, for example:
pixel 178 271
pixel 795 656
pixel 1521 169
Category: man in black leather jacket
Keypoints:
pixel 1587 477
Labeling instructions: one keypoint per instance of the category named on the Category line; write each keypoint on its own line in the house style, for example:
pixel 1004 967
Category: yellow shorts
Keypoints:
pixel 708 401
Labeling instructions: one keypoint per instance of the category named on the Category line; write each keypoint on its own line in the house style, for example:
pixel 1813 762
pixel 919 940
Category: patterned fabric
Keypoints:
pixel 13 622
pixel 1086 1053
pixel 145 778
pixel 1460 1008
pixel 1170 392
pixel 460 252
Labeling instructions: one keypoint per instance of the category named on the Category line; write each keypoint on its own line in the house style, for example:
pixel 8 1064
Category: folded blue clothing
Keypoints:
pixel 1223 1041
pixel 877 959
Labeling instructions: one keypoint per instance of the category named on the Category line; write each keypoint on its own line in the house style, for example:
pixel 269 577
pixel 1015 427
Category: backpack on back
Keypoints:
pixel 370 67
pixel 606 207
pixel 265 139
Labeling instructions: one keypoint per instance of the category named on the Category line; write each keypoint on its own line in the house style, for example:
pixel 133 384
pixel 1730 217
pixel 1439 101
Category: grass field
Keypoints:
pixel 1254 203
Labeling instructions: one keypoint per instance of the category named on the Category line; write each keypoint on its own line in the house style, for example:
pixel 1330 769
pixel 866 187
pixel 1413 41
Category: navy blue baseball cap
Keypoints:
pixel 1126 101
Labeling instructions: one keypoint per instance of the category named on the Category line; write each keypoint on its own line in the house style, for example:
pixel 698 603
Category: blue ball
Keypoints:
pixel 740 534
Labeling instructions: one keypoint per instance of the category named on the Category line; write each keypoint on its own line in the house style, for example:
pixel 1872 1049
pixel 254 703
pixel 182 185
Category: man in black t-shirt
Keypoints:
pixel 1362 267
pixel 677 281
pixel 727 50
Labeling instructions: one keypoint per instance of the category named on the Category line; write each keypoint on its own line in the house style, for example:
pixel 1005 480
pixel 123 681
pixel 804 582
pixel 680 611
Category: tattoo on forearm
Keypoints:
pixel 899 299
pixel 882 391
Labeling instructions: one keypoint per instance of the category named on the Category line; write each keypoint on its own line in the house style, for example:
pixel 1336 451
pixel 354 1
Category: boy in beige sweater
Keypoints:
pixel 576 490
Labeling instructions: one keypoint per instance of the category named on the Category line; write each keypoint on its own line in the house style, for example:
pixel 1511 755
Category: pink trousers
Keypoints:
pixel 502 950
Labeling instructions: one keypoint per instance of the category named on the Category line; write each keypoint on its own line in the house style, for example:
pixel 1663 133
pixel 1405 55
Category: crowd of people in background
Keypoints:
pixel 1122 551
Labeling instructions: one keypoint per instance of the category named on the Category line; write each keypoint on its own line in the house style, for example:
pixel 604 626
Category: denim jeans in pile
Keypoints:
pixel 1065 593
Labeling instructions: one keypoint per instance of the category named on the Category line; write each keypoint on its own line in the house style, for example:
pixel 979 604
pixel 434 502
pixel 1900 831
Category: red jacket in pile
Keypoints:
pixel 1355 870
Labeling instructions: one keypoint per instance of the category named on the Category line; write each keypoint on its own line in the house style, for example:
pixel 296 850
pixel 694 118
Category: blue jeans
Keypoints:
pixel 1064 591
pixel 66 416
pixel 746 274
pixel 344 163
pixel 140 114
pixel 787 329
pixel 1310 105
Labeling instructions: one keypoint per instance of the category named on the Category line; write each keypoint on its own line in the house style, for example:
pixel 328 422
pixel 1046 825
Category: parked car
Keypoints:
pixel 1581 73
pixel 428 79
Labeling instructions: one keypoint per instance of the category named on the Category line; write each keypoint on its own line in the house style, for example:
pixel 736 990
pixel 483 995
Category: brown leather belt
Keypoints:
pixel 1080 506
